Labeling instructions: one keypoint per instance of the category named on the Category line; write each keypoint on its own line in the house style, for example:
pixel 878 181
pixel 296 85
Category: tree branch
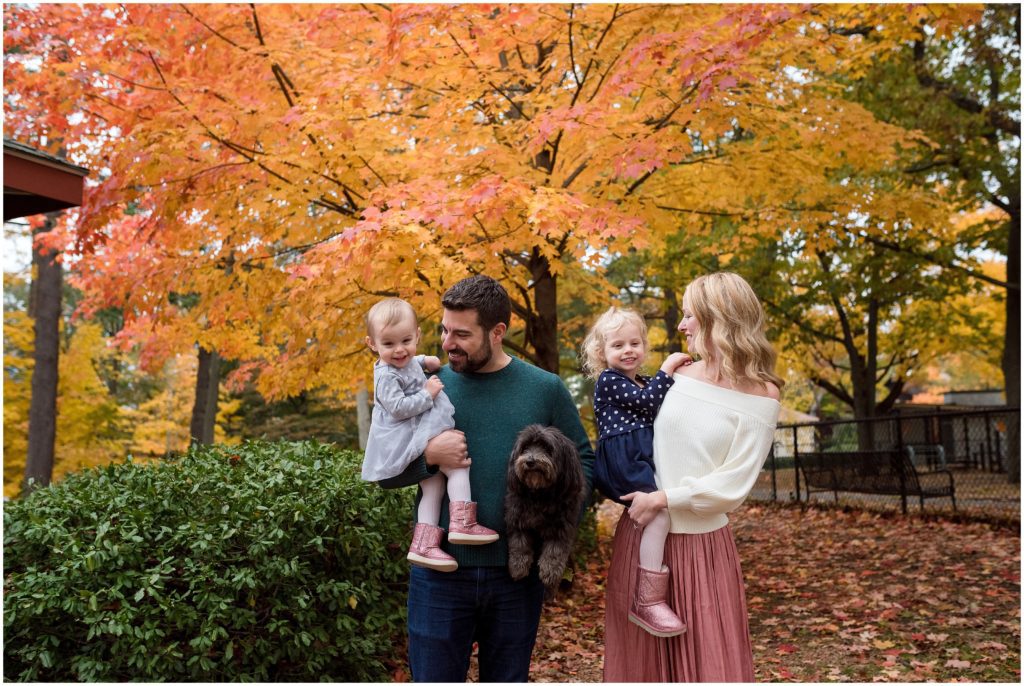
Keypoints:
pixel 844 321
pixel 895 247
pixel 519 350
pixel 837 391
pixel 212 30
pixel 576 172
pixel 489 82
pixel 1000 120
pixel 799 322
pixel 710 213
pixel 891 397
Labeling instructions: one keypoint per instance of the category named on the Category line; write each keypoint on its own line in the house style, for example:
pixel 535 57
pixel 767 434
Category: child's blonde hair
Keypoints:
pixel 592 350
pixel 731 335
pixel 388 312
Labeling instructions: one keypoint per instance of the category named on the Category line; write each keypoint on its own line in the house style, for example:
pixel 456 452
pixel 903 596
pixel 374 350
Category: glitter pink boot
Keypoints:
pixel 425 550
pixel 649 609
pixel 463 527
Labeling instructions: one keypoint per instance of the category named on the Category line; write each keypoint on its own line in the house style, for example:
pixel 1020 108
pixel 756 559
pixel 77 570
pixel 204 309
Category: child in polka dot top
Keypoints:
pixel 625 405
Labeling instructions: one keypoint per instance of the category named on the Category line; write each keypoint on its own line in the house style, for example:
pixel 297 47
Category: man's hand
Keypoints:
pixel 431 363
pixel 447 450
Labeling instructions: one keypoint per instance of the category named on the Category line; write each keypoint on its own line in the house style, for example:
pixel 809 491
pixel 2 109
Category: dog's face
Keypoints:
pixel 539 456
pixel 534 466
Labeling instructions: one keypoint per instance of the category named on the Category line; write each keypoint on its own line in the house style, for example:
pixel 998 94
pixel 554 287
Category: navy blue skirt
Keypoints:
pixel 625 463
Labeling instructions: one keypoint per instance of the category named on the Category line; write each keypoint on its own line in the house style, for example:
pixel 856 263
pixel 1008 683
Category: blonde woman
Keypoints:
pixel 711 437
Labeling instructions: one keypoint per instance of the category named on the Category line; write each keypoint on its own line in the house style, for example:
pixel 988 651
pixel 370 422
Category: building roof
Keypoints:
pixel 37 182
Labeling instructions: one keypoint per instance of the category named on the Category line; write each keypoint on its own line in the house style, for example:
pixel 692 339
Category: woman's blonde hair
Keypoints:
pixel 388 312
pixel 592 350
pixel 731 336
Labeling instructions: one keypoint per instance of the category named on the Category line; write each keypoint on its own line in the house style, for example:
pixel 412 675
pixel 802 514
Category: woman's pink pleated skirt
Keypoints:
pixel 705 590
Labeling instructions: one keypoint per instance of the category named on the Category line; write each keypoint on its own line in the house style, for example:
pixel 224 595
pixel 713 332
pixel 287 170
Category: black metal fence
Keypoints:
pixel 959 462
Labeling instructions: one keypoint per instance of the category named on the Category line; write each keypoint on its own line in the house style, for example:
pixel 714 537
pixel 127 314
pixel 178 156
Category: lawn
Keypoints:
pixel 838 596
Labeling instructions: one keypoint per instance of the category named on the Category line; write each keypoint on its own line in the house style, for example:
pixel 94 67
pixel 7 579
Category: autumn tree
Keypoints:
pixel 853 339
pixel 963 91
pixel 977 330
pixel 88 418
pixel 44 310
pixel 315 414
pixel 861 324
pixel 335 154
pixel 17 381
pixel 970 107
pixel 90 428
pixel 160 424
pixel 874 217
pixel 855 319
pixel 105 409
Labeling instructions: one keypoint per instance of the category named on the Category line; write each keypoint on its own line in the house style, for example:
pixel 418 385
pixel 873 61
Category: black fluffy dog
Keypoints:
pixel 544 492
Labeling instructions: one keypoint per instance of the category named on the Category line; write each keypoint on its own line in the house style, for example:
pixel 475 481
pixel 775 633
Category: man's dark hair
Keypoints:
pixel 483 294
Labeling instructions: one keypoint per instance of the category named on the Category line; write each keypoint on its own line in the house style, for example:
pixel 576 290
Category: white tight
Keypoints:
pixel 652 542
pixel 429 511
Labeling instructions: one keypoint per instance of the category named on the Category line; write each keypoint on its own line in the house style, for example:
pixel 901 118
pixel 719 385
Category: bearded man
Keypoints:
pixel 495 396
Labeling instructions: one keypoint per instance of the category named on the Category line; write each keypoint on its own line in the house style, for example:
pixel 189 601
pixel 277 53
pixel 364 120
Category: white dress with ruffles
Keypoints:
pixel 404 418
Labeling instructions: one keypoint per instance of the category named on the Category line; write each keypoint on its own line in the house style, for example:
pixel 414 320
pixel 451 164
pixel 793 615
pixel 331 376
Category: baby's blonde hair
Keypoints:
pixel 592 350
pixel 388 312
pixel 731 336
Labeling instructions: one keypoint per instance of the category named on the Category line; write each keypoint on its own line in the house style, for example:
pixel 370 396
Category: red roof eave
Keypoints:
pixel 35 182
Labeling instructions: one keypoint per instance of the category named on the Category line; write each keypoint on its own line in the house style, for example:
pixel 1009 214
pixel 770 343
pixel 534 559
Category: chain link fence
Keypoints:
pixel 965 463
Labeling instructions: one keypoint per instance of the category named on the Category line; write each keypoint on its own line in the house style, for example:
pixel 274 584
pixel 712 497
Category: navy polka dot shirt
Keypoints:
pixel 621 405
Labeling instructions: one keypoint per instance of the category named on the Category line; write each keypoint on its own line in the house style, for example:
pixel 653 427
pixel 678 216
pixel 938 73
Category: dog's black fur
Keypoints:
pixel 545 488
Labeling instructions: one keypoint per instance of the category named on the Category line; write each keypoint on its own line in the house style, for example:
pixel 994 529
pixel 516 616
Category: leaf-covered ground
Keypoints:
pixel 838 596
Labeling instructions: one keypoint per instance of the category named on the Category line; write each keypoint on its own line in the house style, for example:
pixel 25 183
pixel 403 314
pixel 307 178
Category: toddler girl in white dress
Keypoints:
pixel 409 409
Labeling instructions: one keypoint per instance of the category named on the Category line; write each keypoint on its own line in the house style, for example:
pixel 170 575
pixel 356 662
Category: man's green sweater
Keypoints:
pixel 491 409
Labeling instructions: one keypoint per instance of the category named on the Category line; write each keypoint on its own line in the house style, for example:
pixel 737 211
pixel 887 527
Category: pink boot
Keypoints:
pixel 425 550
pixel 463 527
pixel 649 609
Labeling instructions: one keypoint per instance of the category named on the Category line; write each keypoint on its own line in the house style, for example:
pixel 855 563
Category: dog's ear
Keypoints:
pixel 568 456
pixel 525 436
pixel 560 444
pixel 517 449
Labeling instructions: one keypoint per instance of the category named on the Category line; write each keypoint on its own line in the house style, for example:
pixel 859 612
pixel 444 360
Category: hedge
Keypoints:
pixel 261 562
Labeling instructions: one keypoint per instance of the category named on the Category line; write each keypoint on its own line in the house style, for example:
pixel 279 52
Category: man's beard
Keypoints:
pixel 471 363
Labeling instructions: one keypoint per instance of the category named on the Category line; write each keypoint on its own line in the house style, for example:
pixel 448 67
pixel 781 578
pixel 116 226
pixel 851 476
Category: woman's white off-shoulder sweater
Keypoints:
pixel 709 446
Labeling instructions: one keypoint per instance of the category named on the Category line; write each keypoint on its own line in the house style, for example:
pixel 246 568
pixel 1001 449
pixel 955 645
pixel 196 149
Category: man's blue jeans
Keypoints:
pixel 448 611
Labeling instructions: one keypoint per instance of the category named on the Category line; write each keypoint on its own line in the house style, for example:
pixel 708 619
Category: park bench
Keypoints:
pixel 931 455
pixel 883 472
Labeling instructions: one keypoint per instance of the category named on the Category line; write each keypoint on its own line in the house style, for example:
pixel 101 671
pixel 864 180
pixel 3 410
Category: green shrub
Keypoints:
pixel 262 562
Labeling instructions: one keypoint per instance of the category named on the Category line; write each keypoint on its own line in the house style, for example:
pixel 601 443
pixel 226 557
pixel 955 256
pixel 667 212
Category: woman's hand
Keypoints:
pixel 644 507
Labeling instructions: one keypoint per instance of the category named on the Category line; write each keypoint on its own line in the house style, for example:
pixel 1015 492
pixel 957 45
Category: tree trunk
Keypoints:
pixel 863 371
pixel 543 323
pixel 1011 347
pixel 204 410
pixel 864 409
pixel 671 319
pixel 363 415
pixel 44 306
